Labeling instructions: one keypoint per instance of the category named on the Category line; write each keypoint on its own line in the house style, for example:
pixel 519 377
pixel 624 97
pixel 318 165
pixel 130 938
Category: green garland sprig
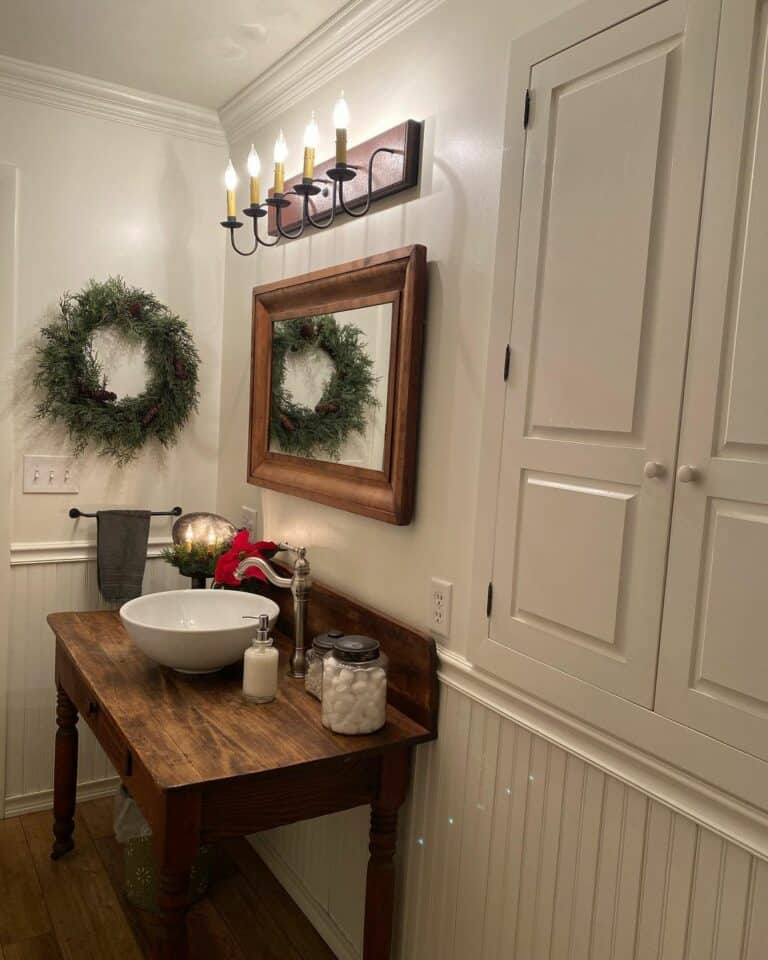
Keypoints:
pixel 194 559
pixel 75 387
pixel 347 397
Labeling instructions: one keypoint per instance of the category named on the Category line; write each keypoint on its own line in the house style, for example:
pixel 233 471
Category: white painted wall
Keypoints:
pixel 96 196
pixel 513 847
pixel 100 197
pixel 7 326
pixel 448 69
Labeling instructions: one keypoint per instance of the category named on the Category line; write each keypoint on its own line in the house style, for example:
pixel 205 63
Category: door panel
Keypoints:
pixel 714 657
pixel 610 206
pixel 560 577
pixel 595 226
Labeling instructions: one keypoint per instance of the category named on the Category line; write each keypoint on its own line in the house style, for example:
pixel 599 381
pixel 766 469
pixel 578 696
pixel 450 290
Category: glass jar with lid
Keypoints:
pixel 355 686
pixel 322 645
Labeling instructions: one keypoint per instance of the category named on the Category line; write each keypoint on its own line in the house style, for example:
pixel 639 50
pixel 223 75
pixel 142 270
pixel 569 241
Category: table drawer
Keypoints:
pixel 111 740
pixel 104 729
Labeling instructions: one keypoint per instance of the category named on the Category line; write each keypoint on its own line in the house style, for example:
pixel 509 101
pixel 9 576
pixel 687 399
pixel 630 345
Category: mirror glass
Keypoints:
pixel 330 379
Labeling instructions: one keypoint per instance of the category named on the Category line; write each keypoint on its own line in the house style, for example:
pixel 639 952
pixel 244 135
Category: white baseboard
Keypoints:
pixel 315 912
pixel 43 800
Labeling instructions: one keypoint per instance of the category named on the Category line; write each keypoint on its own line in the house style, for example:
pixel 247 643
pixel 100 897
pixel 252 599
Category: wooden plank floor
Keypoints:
pixel 75 909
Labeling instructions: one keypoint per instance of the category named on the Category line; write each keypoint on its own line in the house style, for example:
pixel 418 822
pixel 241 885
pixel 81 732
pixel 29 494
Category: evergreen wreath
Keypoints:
pixel 75 388
pixel 346 399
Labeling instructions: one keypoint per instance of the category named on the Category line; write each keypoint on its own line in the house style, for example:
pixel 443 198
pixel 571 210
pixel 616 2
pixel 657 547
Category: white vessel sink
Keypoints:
pixel 195 631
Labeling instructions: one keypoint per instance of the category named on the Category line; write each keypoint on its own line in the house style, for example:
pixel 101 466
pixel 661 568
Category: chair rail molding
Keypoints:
pixel 733 819
pixel 351 34
pixel 70 551
pixel 111 101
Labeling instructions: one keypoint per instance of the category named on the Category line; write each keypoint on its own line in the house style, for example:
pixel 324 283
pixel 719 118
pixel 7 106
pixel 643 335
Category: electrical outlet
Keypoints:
pixel 50 475
pixel 249 517
pixel 440 607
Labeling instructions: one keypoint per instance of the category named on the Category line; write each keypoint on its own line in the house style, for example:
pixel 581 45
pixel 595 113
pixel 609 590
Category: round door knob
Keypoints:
pixel 687 474
pixel 654 469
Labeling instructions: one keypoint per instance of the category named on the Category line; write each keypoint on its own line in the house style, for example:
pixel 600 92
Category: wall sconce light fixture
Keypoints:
pixel 388 163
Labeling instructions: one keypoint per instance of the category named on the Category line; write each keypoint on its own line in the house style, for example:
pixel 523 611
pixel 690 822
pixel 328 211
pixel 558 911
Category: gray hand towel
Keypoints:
pixel 121 552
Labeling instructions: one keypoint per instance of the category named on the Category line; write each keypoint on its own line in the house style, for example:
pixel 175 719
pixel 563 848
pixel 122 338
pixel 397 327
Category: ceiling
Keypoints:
pixel 200 51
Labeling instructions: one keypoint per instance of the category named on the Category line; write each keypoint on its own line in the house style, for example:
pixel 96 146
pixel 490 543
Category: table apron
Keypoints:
pixel 245 805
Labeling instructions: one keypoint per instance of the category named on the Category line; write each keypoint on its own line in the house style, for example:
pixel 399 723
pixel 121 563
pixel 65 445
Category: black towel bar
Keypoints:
pixel 175 512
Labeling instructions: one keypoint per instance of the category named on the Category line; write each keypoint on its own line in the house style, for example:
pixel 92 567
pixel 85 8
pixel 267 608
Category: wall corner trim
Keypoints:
pixel 110 101
pixel 729 817
pixel 356 30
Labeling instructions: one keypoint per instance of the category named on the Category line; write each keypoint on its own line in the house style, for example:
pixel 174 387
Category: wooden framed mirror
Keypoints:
pixel 336 384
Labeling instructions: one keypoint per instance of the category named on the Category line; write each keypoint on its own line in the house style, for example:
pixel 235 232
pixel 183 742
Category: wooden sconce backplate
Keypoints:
pixel 392 172
pixel 400 278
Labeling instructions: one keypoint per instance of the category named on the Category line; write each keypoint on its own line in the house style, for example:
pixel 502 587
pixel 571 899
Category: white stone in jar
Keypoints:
pixel 313 681
pixel 354 696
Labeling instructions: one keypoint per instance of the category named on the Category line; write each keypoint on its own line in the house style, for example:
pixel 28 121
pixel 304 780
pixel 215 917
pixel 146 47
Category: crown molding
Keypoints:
pixel 71 551
pixel 356 30
pixel 110 101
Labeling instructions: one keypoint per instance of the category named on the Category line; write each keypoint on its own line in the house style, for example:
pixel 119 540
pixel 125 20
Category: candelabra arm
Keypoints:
pixel 367 207
pixel 264 243
pixel 323 224
pixel 244 253
pixel 278 222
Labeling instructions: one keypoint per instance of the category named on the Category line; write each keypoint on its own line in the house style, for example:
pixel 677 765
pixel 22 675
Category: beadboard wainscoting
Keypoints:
pixel 514 849
pixel 48 577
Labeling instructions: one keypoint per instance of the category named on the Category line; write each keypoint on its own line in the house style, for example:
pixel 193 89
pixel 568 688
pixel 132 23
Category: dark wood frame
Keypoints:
pixel 400 278
pixel 392 173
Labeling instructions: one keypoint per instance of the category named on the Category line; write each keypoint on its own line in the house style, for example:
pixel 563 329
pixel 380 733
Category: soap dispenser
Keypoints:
pixel 260 666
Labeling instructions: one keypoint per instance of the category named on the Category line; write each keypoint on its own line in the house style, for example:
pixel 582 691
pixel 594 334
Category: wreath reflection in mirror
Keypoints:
pixel 347 398
pixel 75 389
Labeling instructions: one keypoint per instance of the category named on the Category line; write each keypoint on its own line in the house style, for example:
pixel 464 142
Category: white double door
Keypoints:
pixel 614 167
pixel 713 667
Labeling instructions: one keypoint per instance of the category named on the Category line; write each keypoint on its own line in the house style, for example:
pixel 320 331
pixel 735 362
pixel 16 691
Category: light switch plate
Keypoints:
pixel 50 475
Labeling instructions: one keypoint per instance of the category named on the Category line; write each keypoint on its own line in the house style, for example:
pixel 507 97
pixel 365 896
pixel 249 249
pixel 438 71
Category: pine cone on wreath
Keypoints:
pixel 308 331
pixel 150 415
pixel 134 309
pixel 287 423
pixel 103 396
pixel 329 406
pixel 180 369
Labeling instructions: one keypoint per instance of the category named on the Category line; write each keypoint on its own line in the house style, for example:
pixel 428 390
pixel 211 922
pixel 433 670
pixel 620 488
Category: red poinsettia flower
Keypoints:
pixel 240 549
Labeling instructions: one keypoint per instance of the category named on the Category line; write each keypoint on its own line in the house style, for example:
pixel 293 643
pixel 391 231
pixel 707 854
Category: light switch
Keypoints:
pixel 50 475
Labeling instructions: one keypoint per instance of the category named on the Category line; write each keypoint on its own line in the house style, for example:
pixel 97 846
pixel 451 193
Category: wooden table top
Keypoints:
pixel 189 730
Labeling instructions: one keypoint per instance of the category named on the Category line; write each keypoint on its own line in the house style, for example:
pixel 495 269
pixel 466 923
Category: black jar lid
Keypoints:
pixel 356 649
pixel 325 641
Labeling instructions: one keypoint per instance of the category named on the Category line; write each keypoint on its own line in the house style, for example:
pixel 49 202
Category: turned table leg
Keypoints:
pixel 64 775
pixel 173 902
pixel 380 882
pixel 175 843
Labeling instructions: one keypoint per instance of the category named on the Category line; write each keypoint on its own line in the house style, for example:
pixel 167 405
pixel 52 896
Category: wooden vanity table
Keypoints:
pixel 203 764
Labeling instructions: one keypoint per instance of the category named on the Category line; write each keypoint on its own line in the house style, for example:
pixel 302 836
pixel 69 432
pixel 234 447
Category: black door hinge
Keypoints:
pixel 507 359
pixel 527 109
pixel 489 601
